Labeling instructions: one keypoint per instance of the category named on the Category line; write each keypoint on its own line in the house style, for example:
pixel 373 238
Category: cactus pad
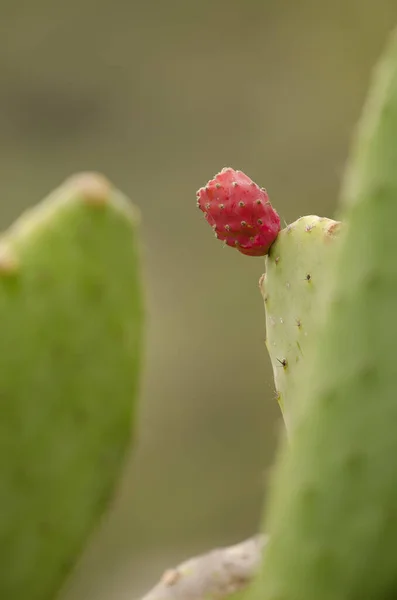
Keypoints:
pixel 70 353
pixel 332 516
pixel 296 277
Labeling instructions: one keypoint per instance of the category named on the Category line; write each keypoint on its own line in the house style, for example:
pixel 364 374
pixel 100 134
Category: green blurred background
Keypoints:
pixel 160 96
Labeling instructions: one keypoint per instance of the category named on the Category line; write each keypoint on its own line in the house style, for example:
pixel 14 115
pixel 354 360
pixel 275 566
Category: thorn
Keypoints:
pixel 221 206
pixel 213 227
pixel 241 204
pixel 283 362
pixel 235 184
pixel 260 222
pixel 243 223
pixel 218 185
pixel 258 201
pixel 277 260
pixel 253 184
pixel 208 206
pixel 308 277
pixel 298 323
pixel 227 227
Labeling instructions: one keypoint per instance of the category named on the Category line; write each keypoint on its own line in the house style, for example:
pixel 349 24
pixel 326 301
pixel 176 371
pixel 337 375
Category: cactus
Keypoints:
pixel 70 355
pixel 332 513
pixel 297 261
pixel 296 277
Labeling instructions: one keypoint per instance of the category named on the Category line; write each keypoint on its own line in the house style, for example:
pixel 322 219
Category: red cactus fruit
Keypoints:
pixel 239 211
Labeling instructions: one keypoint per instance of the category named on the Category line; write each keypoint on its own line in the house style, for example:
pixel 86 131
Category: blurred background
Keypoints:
pixel 160 96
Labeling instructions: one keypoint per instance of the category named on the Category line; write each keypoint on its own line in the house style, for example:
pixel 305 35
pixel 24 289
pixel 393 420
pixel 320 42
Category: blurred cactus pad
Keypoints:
pixel 332 514
pixel 71 312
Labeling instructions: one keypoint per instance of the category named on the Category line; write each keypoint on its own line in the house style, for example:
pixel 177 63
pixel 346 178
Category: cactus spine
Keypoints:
pixel 70 355
pixel 332 515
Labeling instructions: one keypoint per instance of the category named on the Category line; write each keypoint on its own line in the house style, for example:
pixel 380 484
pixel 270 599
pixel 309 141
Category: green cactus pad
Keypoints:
pixel 333 510
pixel 296 277
pixel 70 354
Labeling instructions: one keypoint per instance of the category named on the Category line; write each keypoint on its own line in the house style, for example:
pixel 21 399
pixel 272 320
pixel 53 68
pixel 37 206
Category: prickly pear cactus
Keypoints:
pixel 70 354
pixel 332 514
pixel 296 277
pixel 297 266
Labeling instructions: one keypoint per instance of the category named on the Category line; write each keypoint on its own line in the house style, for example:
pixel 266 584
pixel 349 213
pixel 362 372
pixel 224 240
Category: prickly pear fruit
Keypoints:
pixel 70 354
pixel 332 514
pixel 297 272
pixel 240 212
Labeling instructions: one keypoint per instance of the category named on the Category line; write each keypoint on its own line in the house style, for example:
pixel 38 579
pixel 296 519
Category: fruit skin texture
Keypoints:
pixel 296 278
pixel 70 354
pixel 332 514
pixel 239 212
